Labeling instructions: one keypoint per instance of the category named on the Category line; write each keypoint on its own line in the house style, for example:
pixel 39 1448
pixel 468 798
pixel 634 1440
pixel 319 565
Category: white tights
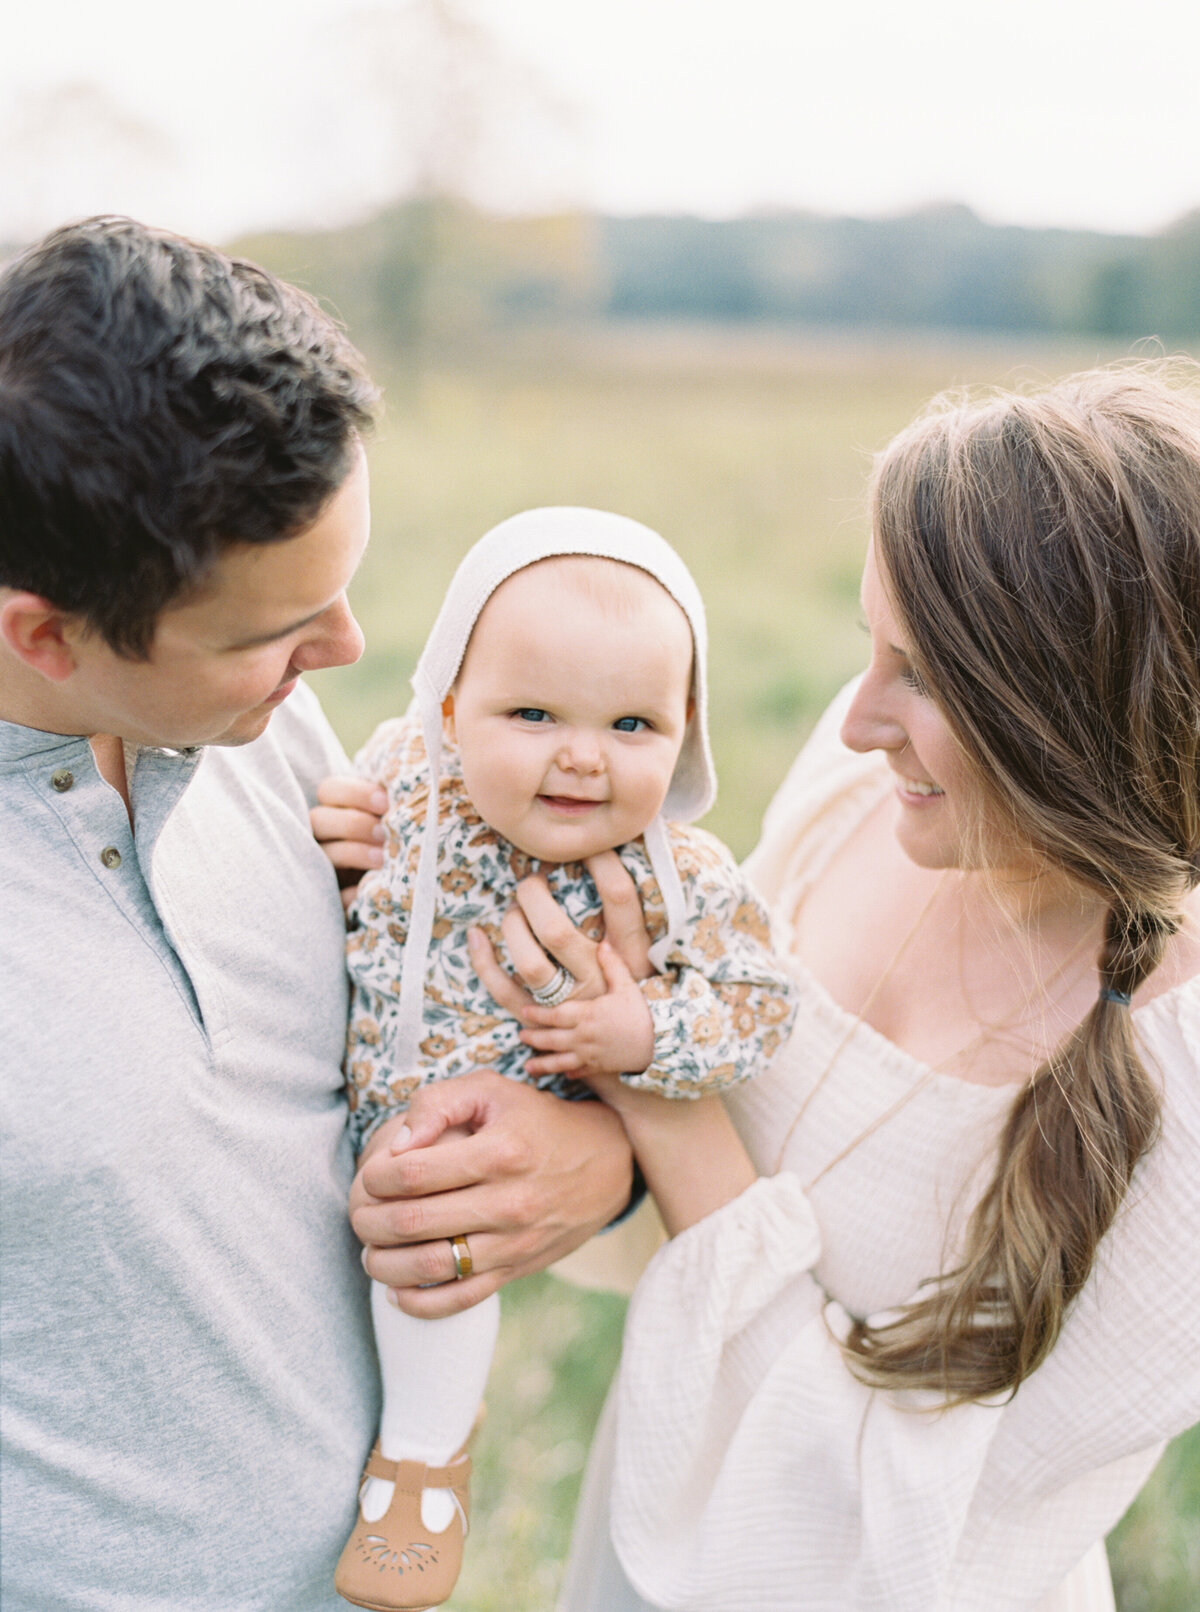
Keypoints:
pixel 433 1374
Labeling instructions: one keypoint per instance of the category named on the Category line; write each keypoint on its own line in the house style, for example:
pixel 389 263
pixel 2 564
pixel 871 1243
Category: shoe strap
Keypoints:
pixel 413 1476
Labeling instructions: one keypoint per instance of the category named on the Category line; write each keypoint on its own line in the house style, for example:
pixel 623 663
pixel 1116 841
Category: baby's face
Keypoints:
pixel 569 713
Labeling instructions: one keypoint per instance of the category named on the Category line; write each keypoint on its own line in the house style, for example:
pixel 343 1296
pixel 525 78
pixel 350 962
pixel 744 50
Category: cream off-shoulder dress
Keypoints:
pixel 740 1467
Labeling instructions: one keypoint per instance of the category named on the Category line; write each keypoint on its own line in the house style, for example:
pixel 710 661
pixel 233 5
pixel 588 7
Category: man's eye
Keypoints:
pixel 630 724
pixel 531 713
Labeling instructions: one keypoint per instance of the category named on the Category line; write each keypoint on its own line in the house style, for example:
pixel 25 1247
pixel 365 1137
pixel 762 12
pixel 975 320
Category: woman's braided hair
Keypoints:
pixel 1042 552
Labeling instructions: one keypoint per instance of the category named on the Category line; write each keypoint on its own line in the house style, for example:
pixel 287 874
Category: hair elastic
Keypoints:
pixel 1117 998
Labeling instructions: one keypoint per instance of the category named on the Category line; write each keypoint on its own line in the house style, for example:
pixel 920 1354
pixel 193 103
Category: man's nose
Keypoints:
pixel 337 640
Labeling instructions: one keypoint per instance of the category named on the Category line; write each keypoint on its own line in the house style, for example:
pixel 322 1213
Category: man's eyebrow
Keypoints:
pixel 276 633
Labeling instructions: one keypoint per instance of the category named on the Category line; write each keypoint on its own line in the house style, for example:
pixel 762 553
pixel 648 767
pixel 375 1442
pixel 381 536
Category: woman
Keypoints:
pixel 988 886
pixel 994 861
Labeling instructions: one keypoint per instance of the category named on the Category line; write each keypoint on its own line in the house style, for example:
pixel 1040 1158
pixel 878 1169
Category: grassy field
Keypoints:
pixel 750 454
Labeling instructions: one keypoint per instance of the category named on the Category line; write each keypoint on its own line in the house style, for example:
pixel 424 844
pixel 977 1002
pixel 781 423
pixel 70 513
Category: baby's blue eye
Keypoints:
pixel 531 713
pixel 630 724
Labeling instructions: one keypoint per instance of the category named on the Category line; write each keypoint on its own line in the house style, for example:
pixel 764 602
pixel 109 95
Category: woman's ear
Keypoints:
pixel 39 634
pixel 448 718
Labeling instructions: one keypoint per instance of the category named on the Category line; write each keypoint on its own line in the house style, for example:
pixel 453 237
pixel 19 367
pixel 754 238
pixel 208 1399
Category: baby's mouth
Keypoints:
pixel 574 805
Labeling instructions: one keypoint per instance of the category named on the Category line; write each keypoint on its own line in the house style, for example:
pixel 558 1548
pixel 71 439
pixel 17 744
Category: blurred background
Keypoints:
pixel 694 260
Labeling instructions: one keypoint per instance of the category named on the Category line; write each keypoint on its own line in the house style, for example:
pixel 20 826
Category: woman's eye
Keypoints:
pixel 630 724
pixel 911 678
pixel 532 713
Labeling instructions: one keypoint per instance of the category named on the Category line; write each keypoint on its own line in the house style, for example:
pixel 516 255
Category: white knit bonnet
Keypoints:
pixel 542 534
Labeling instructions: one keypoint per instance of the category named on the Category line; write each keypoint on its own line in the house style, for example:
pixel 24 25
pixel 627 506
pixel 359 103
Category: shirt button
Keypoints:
pixel 110 856
pixel 62 781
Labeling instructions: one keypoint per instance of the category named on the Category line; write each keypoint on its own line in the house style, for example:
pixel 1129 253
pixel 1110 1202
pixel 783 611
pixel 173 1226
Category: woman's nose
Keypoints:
pixel 870 723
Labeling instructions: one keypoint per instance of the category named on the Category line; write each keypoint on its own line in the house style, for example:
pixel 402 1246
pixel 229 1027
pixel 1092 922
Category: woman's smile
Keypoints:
pixel 917 792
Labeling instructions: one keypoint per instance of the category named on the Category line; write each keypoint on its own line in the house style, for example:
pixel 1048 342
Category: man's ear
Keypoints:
pixel 39 634
pixel 448 718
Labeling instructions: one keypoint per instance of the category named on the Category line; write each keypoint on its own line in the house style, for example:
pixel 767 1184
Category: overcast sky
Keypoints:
pixel 232 114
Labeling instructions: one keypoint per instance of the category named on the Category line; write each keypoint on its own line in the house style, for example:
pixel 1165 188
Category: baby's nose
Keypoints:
pixel 580 751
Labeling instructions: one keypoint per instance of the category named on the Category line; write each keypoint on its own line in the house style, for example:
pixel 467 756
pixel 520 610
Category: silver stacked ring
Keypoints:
pixel 556 989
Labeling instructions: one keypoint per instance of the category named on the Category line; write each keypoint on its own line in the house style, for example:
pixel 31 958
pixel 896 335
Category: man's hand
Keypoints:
pixel 534 1179
pixel 346 825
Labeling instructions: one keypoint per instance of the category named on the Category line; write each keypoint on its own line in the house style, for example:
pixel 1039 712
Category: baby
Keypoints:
pixel 559 715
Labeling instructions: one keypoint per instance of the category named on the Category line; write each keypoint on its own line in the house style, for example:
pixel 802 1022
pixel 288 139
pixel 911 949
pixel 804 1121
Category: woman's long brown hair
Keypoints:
pixel 1042 552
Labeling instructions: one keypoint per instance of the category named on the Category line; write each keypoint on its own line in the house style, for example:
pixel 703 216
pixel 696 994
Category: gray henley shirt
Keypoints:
pixel 188 1380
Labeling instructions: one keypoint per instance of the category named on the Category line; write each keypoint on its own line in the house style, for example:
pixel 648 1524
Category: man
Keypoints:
pixel 188 1386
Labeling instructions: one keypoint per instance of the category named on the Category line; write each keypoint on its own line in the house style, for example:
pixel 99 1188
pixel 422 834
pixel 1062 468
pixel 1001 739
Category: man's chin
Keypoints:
pixel 244 730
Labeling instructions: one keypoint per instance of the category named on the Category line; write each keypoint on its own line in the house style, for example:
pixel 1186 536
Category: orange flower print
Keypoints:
pixel 707 938
pixel 402 1088
pixel 441 928
pixel 749 920
pixel 706 1031
pixel 473 1024
pixel 745 1023
pixel 520 865
pixel 456 881
pixel 773 1010
pixel 686 861
pixel 437 1046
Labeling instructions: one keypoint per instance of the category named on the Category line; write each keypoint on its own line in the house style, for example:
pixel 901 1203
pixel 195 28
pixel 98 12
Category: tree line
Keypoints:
pixel 428 269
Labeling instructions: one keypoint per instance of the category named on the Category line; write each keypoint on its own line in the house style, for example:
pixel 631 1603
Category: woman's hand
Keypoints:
pixel 540 937
pixel 346 825
pixel 595 1039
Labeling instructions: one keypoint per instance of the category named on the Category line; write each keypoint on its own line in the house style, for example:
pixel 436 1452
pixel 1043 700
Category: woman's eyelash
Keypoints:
pixel 912 679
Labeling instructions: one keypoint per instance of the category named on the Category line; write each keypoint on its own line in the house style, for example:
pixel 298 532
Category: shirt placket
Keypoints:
pixel 115 851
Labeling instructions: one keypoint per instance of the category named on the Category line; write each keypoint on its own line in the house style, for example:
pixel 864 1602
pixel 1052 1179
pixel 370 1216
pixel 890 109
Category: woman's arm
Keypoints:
pixel 689 1152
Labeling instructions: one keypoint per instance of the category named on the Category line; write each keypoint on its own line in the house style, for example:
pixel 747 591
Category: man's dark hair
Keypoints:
pixel 158 402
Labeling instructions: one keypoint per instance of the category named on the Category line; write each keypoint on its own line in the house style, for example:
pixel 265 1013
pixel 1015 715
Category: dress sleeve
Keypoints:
pixel 750 1459
pixel 724 1003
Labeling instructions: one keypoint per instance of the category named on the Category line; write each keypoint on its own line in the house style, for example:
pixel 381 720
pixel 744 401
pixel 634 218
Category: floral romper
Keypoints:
pixel 722 1006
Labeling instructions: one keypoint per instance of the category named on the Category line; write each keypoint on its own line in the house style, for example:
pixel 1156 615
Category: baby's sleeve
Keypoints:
pixel 724 1003
pixel 378 927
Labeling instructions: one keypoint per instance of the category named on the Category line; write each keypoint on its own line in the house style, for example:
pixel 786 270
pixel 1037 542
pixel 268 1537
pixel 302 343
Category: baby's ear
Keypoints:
pixel 448 717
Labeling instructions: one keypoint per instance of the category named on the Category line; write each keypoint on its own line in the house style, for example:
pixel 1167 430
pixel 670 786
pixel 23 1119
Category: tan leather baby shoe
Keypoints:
pixel 396 1564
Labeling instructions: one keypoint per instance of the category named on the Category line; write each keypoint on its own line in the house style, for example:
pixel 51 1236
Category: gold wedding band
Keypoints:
pixel 463 1263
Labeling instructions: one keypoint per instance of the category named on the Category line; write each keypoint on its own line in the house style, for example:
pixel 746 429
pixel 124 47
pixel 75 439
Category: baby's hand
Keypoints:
pixel 346 825
pixel 596 1039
